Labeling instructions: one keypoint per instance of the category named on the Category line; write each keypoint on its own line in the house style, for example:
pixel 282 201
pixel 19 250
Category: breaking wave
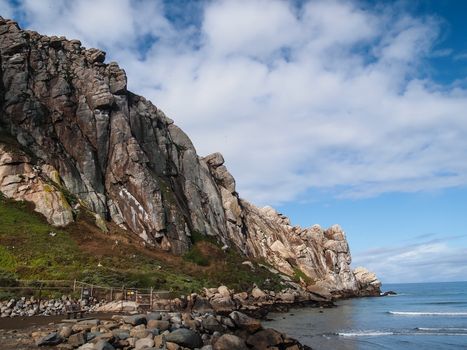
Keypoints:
pixel 415 313
pixel 442 331
pixel 364 334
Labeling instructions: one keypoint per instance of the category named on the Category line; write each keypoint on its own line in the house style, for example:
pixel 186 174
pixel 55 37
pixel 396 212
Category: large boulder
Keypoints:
pixel 50 340
pixel 257 293
pixel 230 342
pixel 202 305
pixel 222 303
pixel 368 283
pixel 103 345
pixel 245 322
pixel 87 346
pixel 135 320
pixel 144 343
pixel 265 339
pixel 211 324
pixel 161 325
pixel 185 337
pixel 77 339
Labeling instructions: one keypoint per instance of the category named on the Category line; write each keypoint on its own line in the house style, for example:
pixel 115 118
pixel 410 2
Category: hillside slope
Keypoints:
pixel 32 249
pixel 86 141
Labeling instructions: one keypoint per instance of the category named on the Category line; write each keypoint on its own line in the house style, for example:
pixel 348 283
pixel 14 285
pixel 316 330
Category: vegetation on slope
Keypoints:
pixel 32 249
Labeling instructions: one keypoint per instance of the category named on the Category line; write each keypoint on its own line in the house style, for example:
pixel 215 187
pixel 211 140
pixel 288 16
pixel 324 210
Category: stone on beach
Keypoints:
pixel 50 339
pixel 144 343
pixel 185 337
pixel 245 322
pixel 135 320
pixel 230 342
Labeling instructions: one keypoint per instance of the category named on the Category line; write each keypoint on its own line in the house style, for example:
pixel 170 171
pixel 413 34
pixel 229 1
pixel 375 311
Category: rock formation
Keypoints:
pixel 368 283
pixel 80 130
pixel 22 180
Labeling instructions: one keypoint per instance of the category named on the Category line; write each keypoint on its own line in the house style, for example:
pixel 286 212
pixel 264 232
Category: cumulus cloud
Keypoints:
pixel 297 96
pixel 428 260
pixel 115 25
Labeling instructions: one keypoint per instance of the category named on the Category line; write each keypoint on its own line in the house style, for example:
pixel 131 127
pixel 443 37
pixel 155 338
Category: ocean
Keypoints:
pixel 420 316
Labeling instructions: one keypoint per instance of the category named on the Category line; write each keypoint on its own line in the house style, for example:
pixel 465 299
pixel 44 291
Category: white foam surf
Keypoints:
pixel 415 313
pixel 364 334
pixel 443 329
pixel 419 331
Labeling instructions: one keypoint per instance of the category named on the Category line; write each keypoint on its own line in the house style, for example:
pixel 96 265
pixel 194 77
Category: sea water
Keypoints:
pixel 420 316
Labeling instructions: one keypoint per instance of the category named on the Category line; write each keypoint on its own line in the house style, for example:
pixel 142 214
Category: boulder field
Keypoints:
pixel 159 330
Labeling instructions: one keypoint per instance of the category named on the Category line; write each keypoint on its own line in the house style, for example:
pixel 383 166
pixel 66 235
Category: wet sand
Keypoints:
pixel 15 332
pixel 11 323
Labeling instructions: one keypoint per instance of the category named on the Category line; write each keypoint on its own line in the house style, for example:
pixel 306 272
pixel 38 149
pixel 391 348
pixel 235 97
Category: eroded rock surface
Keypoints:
pixel 128 163
pixel 21 180
pixel 368 283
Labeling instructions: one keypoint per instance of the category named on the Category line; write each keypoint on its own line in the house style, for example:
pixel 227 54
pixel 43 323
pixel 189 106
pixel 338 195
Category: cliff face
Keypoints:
pixel 83 132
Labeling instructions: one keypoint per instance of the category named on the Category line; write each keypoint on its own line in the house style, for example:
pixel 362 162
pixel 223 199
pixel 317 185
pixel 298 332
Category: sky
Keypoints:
pixel 348 112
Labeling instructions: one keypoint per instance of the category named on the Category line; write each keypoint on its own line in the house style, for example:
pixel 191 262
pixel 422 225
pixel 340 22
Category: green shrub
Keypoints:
pixel 7 260
pixel 197 257
pixel 8 279
pixel 300 274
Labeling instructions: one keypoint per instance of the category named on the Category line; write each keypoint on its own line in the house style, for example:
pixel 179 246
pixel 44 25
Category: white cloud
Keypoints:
pixel 327 23
pixel 244 27
pixel 111 24
pixel 320 96
pixel 429 260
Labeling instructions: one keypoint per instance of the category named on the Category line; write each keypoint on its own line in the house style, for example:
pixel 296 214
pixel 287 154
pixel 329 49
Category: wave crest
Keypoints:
pixel 416 313
pixel 364 334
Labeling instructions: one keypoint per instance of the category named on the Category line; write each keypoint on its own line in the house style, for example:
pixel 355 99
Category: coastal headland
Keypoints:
pixel 99 186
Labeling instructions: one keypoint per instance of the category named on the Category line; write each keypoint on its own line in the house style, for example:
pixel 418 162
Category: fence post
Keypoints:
pixel 74 286
pixel 150 299
pixel 40 293
pixel 92 289
pixel 111 293
pixel 123 296
pixel 136 300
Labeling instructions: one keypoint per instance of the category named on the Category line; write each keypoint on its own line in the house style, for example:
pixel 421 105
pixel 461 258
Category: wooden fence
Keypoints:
pixel 143 297
pixel 118 293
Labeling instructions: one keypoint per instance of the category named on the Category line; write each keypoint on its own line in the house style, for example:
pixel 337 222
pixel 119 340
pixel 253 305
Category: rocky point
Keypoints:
pixel 73 135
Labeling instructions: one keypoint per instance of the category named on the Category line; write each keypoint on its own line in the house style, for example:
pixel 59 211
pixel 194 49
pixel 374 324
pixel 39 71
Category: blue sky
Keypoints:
pixel 449 64
pixel 349 112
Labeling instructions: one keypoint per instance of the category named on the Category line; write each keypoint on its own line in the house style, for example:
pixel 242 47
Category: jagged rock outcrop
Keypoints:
pixel 368 283
pixel 123 159
pixel 21 180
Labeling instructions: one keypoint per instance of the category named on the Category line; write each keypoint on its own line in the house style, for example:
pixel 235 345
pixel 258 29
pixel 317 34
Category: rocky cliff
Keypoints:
pixel 84 140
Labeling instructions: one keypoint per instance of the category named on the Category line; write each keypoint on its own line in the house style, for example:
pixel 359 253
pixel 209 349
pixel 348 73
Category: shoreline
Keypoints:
pixel 221 300
pixel 215 303
pixel 24 322
pixel 155 330
pixel 260 313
